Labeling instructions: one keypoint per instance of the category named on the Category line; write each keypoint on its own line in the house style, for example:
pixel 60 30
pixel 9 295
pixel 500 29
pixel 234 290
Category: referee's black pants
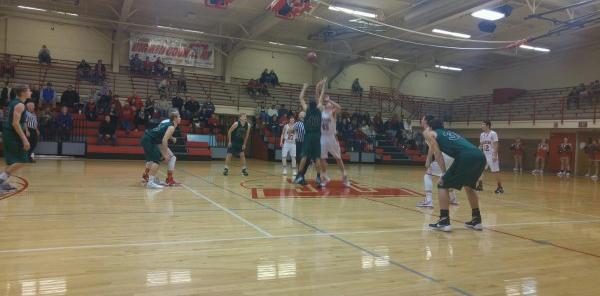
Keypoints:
pixel 33 141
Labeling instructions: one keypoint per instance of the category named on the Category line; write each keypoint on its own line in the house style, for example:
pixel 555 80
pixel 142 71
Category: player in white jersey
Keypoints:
pixel 329 144
pixel 288 144
pixel 488 142
pixel 433 169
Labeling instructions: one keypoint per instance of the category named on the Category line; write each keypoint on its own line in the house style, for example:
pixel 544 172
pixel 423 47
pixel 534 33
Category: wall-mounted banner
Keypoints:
pixel 173 51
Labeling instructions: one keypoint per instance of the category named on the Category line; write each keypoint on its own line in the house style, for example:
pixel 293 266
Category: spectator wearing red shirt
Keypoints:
pixel 127 118
pixel 135 101
pixel 213 123
pixel 148 67
pixel 90 110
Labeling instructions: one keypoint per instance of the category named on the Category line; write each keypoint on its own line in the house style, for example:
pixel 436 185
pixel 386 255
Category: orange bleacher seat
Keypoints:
pixel 184 122
pixel 115 149
pixel 379 150
pixel 387 157
pixel 120 142
pixel 198 152
pixel 132 134
pixel 197 145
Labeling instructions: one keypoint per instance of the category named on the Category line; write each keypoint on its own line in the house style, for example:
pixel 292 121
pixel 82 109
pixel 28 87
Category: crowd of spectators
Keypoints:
pixel 260 86
pixel 584 96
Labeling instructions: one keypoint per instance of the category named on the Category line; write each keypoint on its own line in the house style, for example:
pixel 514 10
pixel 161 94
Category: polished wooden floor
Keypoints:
pixel 87 227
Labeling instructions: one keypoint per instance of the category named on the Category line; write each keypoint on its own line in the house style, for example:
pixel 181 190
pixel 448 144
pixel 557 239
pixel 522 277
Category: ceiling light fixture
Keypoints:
pixel 168 28
pixel 385 59
pixel 192 31
pixel 448 68
pixel 352 11
pixel 540 49
pixel 487 14
pixel 31 8
pixel 449 33
pixel 66 13
pixel 275 43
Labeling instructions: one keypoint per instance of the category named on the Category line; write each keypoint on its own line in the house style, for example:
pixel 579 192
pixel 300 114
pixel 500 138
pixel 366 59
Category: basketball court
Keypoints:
pixel 80 228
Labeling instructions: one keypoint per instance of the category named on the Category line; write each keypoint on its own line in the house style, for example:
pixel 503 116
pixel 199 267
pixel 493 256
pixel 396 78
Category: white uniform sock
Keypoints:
pixel 172 161
pixel 428 184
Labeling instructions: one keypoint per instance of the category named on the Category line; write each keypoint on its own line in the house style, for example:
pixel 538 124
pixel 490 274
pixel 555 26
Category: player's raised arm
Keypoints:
pixel 302 93
pixel 322 94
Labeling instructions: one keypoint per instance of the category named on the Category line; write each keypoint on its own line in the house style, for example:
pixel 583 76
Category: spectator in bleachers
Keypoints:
pixel 148 65
pixel 114 114
pixel 5 95
pixel 177 103
pixel 182 81
pixel 149 107
pixel 163 88
pixel 273 79
pixel 263 90
pixel 69 98
pixel 7 67
pixel 264 77
pixel 158 67
pixel 32 131
pixel 48 96
pixel 253 88
pixel 370 134
pixel 274 125
pixel 282 111
pixel 46 119
pixel 573 99
pixel 107 132
pixel 261 112
pixel 44 56
pixel 135 64
pixel 169 73
pixel 90 110
pixel 83 70
pixel 126 118
pixel 64 124
pixel 191 106
pixel 210 107
pixel 140 120
pixel 213 123
pixel 99 72
pixel 135 101
pixel 115 100
pixel 356 88
pixel 35 96
pixel 204 115
pixel 272 111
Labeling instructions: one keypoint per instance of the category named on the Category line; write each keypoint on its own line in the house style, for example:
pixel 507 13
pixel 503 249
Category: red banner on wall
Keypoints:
pixel 173 51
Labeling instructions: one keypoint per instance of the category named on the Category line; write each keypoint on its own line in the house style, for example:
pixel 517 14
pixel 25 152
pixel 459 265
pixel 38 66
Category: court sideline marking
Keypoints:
pixel 334 236
pixel 226 210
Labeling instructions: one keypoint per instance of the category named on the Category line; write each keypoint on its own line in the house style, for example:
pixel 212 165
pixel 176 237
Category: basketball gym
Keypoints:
pixel 83 217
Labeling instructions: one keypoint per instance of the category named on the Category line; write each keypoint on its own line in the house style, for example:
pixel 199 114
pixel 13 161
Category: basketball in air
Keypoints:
pixel 311 57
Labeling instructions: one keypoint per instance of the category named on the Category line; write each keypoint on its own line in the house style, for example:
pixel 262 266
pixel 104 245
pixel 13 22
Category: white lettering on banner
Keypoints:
pixel 172 51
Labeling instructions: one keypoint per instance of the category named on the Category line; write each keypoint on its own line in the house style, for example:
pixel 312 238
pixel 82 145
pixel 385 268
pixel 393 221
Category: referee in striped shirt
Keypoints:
pixel 32 131
pixel 299 129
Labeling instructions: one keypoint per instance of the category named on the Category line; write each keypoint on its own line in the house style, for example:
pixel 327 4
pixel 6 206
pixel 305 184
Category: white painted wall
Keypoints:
pixel 551 71
pixel 69 42
pixel 555 70
pixel 430 84
pixel 367 74
pixel 250 63
pixel 3 35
